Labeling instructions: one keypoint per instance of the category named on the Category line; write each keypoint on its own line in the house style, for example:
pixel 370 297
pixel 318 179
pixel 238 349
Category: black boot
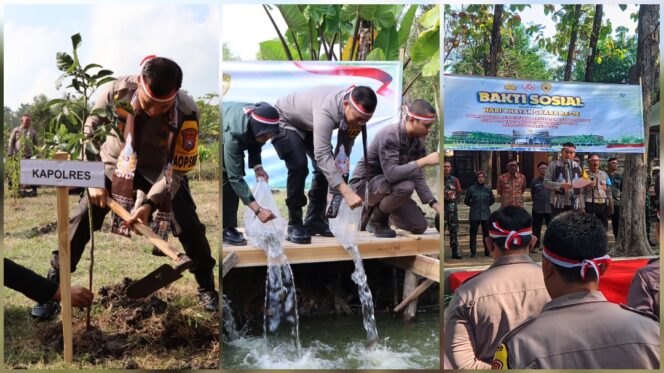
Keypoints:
pixel 379 224
pixel 233 237
pixel 314 222
pixel 207 294
pixel 46 311
pixel 473 252
pixel 297 233
pixel 455 254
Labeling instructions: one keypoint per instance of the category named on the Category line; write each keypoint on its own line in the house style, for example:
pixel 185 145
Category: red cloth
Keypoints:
pixel 614 283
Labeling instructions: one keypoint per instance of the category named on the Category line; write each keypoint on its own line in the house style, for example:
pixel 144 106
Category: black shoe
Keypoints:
pixel 473 254
pixel 318 228
pixel 45 311
pixel 456 255
pixel 298 234
pixel 379 224
pixel 486 253
pixel 32 193
pixel 210 300
pixel 233 237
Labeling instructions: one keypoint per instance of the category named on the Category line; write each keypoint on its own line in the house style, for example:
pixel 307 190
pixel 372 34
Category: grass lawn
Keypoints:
pixel 167 331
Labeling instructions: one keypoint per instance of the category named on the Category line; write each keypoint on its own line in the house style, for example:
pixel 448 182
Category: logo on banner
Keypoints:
pixel 546 87
pixel 529 86
pixel 510 87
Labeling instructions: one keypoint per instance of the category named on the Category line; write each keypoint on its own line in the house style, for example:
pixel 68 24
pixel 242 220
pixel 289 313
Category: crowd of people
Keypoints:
pixel 562 185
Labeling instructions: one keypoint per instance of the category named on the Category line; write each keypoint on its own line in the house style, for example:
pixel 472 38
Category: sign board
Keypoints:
pixel 62 173
pixel 499 114
pixel 255 81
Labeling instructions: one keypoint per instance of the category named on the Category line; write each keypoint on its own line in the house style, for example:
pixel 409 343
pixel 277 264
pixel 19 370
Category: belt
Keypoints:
pixel 598 201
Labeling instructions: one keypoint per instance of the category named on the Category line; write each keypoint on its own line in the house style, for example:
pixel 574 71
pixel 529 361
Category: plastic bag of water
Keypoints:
pixel 260 233
pixel 346 226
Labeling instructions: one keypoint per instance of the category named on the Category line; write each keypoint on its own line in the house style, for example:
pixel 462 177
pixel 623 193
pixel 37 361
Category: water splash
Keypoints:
pixel 231 333
pixel 360 278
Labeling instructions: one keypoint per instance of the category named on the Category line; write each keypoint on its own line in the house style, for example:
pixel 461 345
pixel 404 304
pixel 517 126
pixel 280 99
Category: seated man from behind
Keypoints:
pixel 488 305
pixel 396 157
pixel 579 328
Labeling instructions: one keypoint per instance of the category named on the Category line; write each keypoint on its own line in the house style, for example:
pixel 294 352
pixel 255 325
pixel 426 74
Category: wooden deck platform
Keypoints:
pixel 324 249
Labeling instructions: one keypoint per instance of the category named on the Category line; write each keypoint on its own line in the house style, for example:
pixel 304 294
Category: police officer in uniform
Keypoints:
pixel 559 177
pixel 579 328
pixel 22 142
pixel 396 158
pixel 308 118
pixel 246 128
pixel 596 195
pixel 161 148
pixel 616 189
pixel 498 299
pixel 452 190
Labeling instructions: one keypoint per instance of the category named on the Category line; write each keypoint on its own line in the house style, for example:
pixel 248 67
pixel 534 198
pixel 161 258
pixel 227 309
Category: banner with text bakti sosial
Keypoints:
pixel 527 115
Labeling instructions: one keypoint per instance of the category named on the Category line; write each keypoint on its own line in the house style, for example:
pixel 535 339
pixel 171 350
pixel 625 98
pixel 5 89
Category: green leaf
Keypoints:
pixel 432 68
pixel 55 101
pixel 598 60
pixel 294 17
pixel 623 7
pixel 102 73
pixel 64 61
pixel 426 45
pixel 76 41
pixel 376 54
pixel 406 24
pixel 383 15
pixel 105 80
pixel 431 18
pixel 272 50
pixel 388 41
pixel 91 66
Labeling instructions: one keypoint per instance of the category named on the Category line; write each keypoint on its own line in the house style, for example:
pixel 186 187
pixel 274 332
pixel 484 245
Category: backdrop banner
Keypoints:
pixel 255 81
pixel 525 115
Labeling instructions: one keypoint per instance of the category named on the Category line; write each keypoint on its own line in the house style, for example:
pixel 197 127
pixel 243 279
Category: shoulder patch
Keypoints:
pixel 642 313
pixel 500 358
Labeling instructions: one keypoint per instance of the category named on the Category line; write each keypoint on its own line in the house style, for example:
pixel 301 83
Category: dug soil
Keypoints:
pixel 128 328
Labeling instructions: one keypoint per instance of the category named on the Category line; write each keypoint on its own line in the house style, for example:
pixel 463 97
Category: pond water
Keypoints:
pixel 338 342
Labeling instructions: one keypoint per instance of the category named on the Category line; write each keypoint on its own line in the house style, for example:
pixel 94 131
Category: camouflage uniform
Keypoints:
pixel 452 191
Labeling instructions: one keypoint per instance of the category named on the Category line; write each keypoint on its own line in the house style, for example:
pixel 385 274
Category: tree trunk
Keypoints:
pixel 571 51
pixel 633 239
pixel 491 69
pixel 364 42
pixel 491 63
pixel 590 62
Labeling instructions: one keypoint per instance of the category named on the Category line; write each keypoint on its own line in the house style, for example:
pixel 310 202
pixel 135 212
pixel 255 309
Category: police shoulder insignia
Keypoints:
pixel 500 358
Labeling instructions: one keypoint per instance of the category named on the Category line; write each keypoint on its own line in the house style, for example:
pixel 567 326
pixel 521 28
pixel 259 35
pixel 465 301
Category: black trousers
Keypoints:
pixel 601 212
pixel 538 219
pixel 615 221
pixel 231 202
pixel 294 150
pixel 192 237
pixel 474 227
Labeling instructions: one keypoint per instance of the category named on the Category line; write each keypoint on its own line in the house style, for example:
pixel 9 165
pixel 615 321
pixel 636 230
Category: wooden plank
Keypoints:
pixel 414 294
pixel 229 262
pixel 409 285
pixel 64 259
pixel 327 249
pixel 424 266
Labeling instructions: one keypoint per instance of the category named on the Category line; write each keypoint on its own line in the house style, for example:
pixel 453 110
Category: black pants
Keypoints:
pixel 192 237
pixel 601 212
pixel 538 219
pixel 474 227
pixel 615 221
pixel 231 202
pixel 293 150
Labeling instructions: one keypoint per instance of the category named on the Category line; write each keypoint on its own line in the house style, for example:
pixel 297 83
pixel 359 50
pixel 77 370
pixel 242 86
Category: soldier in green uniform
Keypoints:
pixel 246 127
pixel 616 189
pixel 452 192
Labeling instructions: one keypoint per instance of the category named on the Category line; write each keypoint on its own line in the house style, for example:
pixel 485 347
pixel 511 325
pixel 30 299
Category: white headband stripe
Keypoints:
pixel 146 89
pixel 513 237
pixel 584 264
pixel 421 117
pixel 357 106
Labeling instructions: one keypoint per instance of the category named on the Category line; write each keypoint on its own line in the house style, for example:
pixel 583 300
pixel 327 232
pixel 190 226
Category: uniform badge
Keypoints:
pixel 188 138
pixel 500 358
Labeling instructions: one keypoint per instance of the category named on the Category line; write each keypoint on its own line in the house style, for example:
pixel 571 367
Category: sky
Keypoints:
pixel 245 26
pixel 116 36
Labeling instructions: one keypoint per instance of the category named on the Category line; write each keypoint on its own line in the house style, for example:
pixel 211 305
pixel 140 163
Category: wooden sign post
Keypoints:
pixel 63 173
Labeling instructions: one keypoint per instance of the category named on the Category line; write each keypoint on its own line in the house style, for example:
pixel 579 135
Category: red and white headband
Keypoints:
pixel 422 117
pixel 147 90
pixel 512 237
pixel 595 264
pixel 258 118
pixel 356 105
